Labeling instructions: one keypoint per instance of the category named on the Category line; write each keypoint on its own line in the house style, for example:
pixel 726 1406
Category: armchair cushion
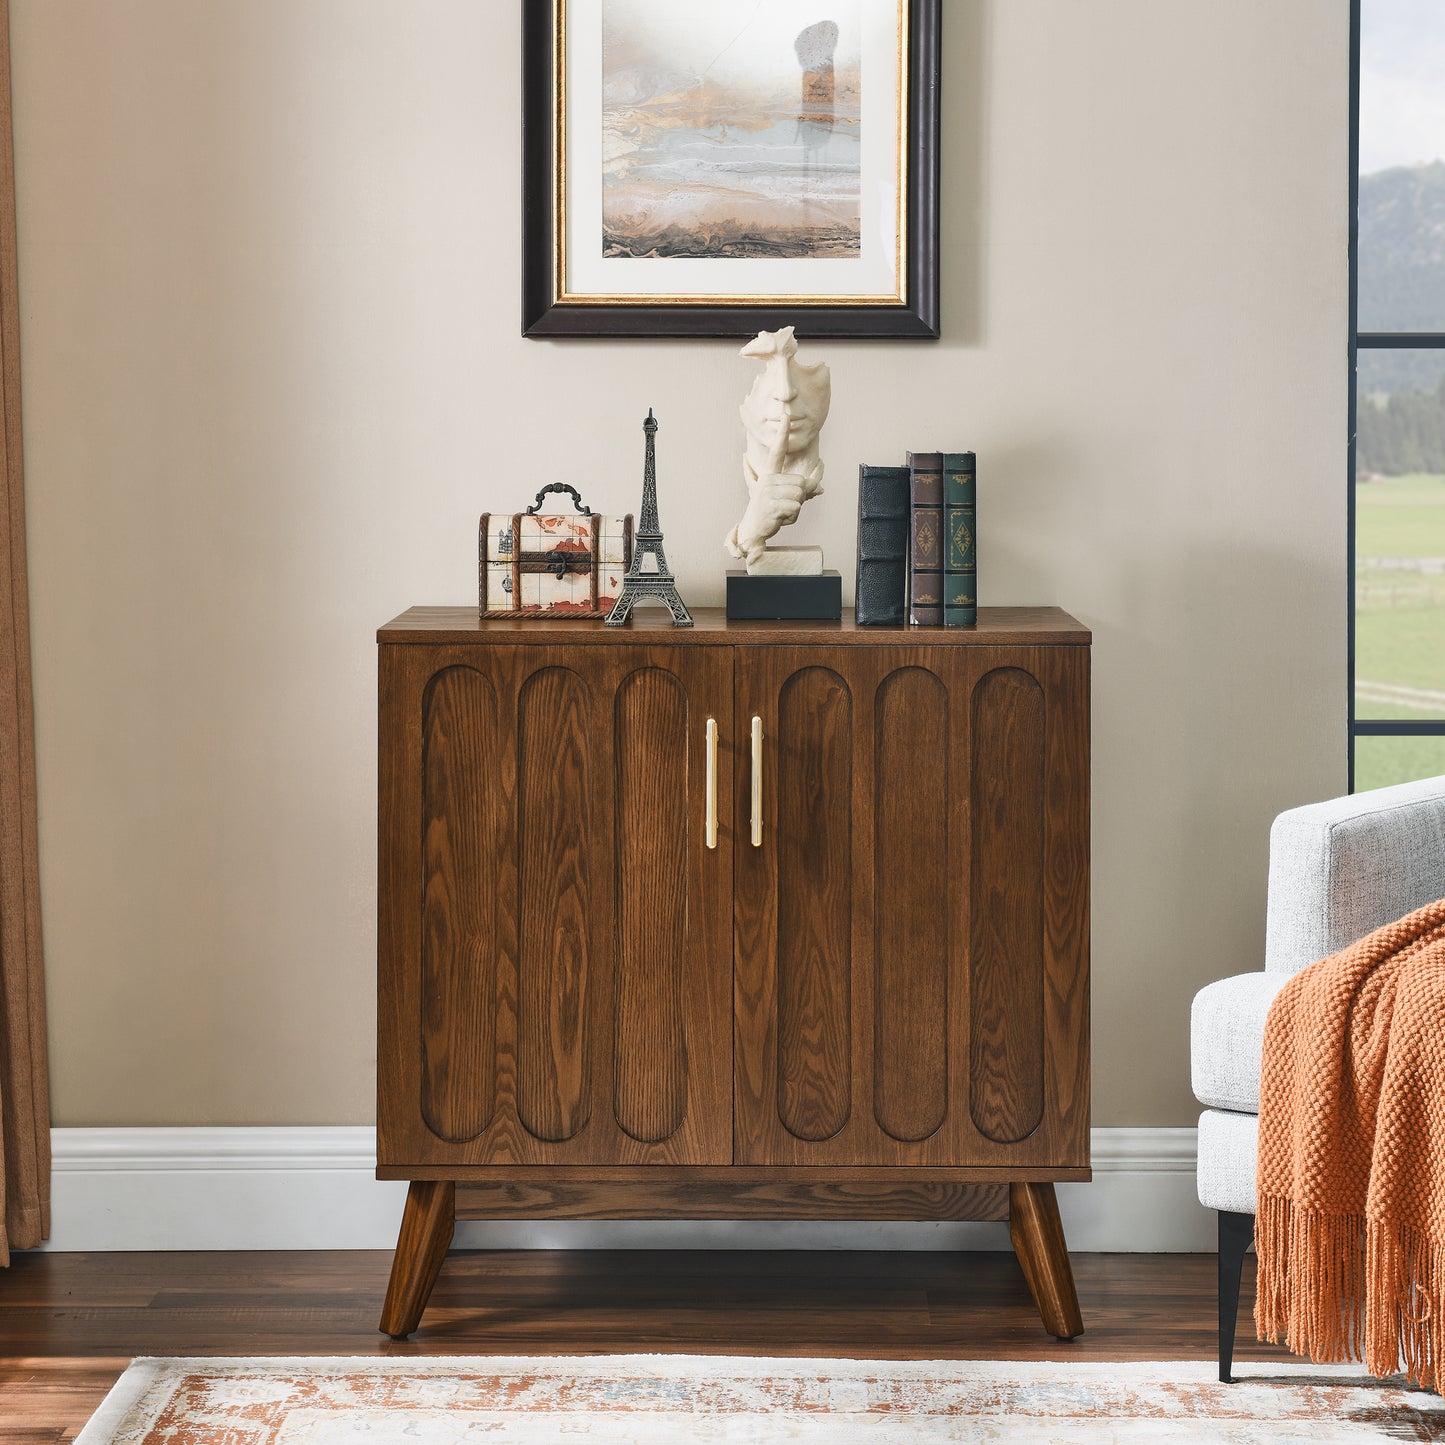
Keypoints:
pixel 1228 1151
pixel 1226 1039
pixel 1342 869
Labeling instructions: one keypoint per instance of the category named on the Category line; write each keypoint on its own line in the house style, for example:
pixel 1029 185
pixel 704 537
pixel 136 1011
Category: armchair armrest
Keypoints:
pixel 1341 869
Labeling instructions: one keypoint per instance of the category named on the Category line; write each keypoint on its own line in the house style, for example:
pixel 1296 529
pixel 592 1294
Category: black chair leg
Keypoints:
pixel 1236 1234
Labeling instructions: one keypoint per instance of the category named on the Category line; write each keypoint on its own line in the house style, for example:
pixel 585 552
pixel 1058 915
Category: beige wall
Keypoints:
pixel 269 279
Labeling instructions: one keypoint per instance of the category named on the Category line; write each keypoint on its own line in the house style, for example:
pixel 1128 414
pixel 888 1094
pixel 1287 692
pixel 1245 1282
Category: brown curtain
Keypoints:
pixel 24 1089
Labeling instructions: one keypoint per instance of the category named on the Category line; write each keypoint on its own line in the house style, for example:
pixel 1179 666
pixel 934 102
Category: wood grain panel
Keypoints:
pixel 1066 898
pixel 555 826
pixel 775 1198
pixel 910 916
pixel 653 989
pixel 650 749
pixel 1006 1034
pixel 814 830
pixel 462 829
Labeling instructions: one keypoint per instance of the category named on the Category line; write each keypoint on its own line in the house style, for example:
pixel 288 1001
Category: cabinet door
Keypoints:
pixel 911 925
pixel 555 933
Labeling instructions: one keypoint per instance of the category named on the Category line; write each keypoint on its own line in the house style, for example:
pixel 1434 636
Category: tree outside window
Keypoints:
pixel 1397 483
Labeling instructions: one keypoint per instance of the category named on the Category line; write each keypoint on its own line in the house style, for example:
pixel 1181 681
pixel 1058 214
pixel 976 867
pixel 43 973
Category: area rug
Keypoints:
pixel 703 1400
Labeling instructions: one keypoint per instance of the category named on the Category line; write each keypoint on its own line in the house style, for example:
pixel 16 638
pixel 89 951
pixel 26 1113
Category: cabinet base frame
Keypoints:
pixel 433 1206
pixel 731 1198
pixel 737 1175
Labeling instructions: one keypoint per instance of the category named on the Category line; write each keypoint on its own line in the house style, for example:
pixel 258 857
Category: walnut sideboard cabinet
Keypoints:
pixel 766 920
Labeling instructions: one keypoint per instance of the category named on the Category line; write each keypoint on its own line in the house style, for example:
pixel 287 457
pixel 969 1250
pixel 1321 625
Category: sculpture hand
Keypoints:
pixel 774 503
pixel 813 482
pixel 778 452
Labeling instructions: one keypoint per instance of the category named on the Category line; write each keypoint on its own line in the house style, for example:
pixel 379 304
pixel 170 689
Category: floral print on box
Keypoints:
pixel 545 563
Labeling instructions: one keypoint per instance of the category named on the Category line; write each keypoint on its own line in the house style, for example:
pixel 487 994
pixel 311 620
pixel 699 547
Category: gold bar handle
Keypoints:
pixel 710 826
pixel 757 781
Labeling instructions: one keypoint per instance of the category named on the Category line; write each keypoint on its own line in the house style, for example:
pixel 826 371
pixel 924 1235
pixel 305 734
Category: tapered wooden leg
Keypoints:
pixel 427 1225
pixel 1038 1240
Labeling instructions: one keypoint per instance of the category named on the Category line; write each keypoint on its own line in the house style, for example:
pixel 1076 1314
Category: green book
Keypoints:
pixel 960 548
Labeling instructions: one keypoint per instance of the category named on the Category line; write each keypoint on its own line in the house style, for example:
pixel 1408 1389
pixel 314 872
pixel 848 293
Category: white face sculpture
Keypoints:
pixel 787 406
pixel 783 415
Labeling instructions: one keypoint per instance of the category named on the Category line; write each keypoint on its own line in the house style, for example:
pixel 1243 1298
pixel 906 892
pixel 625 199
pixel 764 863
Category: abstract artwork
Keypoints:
pixel 717 167
pixel 727 139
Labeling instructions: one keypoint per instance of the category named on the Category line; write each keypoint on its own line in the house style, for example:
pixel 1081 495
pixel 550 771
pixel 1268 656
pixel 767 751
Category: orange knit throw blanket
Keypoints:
pixel 1350 1229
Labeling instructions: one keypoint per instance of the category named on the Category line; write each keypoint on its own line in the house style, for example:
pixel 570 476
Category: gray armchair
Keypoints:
pixel 1337 871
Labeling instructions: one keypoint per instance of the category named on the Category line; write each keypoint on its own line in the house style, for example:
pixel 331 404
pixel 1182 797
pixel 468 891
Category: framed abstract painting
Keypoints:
pixel 721 167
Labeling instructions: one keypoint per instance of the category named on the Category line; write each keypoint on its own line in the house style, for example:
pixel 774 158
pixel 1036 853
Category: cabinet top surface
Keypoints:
pixel 1035 626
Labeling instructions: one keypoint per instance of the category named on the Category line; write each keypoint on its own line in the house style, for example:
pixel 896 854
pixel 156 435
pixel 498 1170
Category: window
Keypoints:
pixel 1397 392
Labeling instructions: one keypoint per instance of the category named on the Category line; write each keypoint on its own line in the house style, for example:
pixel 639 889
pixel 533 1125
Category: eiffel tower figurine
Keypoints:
pixel 656 586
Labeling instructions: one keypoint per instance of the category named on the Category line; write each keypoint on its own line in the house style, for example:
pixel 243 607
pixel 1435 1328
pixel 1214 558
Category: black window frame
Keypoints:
pixel 1368 341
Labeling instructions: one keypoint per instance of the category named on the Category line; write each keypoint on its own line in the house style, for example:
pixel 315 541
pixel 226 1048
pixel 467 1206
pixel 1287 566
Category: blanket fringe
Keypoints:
pixel 1310 1294
pixel 1337 1287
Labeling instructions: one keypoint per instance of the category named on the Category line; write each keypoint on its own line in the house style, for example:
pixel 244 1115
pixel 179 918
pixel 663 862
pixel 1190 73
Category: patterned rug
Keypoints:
pixel 643 1399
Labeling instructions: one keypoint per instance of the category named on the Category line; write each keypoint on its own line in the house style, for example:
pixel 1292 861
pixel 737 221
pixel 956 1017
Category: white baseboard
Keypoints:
pixel 312 1188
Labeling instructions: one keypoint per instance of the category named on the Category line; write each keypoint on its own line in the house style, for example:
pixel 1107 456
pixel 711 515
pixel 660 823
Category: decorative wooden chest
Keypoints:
pixel 534 563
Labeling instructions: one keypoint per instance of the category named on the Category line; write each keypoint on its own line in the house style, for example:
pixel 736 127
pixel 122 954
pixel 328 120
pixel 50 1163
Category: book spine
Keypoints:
pixel 882 546
pixel 925 539
pixel 960 540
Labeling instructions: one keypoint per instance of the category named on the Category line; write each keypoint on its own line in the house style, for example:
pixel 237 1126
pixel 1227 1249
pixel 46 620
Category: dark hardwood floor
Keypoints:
pixel 69 1323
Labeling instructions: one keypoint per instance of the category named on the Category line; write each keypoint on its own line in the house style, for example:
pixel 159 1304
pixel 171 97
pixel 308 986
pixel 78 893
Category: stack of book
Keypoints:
pixel 917 552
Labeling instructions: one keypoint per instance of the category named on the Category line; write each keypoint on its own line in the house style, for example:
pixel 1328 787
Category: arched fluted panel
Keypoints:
pixel 910 920
pixel 650 745
pixel 814 768
pixel 554 819
pixel 462 832
pixel 1006 1033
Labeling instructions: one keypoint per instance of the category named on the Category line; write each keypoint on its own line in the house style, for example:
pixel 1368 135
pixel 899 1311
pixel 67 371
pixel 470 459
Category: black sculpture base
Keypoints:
pixel 818 598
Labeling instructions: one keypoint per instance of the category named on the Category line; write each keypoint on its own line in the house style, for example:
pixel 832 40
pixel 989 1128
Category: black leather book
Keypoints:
pixel 882 546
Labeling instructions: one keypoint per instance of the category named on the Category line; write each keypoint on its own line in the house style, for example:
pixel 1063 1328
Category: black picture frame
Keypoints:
pixel 543 316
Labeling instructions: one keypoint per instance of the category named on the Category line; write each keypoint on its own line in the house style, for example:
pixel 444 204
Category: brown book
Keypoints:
pixel 925 539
